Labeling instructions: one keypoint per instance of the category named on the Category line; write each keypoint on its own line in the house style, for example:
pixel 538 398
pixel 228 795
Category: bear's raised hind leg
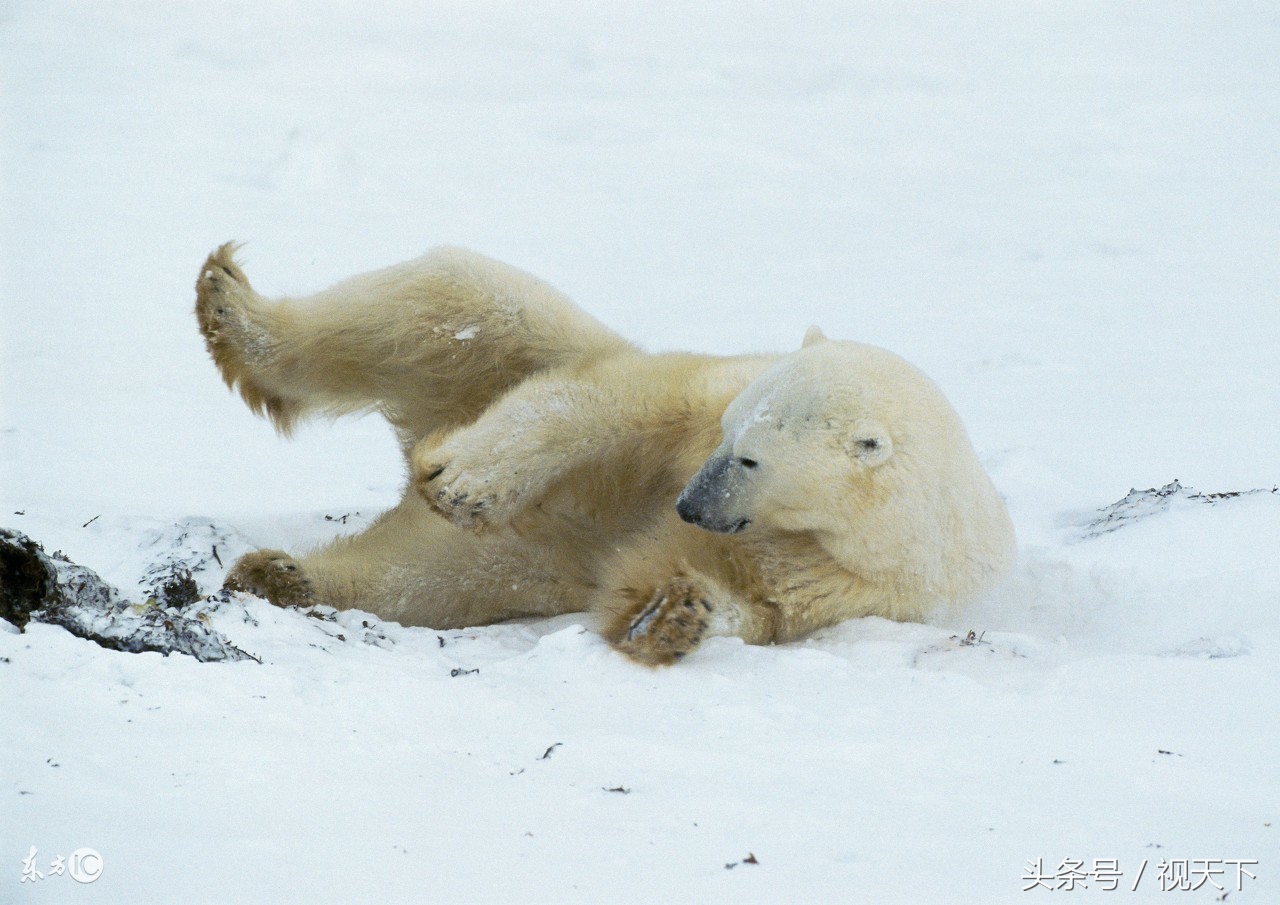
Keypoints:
pixel 430 343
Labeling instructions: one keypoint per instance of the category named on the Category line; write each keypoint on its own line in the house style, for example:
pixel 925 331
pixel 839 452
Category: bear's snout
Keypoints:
pixel 709 498
pixel 688 510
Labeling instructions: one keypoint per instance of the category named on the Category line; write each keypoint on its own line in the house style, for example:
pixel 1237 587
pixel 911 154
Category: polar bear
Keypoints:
pixel 554 467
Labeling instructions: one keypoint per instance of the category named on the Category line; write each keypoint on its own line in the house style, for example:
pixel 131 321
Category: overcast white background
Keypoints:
pixel 1064 212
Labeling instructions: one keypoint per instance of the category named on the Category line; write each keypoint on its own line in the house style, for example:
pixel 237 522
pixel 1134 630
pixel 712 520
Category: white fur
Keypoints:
pixel 556 452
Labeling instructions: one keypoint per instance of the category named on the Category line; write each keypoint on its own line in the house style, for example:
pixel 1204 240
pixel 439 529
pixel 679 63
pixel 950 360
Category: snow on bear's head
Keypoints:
pixel 856 446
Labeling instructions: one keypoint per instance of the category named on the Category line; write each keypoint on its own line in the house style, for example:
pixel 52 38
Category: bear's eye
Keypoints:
pixel 748 463
pixel 869 444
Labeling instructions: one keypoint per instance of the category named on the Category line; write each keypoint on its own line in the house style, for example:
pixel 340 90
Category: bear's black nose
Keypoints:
pixel 686 509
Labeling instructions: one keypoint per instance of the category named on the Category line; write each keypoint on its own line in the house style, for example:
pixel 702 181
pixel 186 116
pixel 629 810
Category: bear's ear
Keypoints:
pixel 870 443
pixel 813 335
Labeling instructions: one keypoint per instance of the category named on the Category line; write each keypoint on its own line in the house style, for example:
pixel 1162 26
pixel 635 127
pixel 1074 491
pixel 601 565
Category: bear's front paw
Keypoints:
pixel 272 574
pixel 470 497
pixel 670 625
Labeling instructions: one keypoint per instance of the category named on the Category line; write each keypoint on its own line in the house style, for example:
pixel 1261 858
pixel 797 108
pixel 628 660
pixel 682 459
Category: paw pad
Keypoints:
pixel 670 626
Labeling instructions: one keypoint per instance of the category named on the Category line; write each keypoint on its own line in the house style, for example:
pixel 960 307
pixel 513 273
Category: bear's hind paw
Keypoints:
pixel 221 291
pixel 271 574
pixel 237 328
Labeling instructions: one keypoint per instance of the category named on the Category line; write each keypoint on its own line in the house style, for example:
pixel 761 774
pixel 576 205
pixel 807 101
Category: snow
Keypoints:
pixel 1064 213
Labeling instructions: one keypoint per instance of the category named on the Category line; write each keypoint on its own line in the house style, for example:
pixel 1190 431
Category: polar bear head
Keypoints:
pixel 854 445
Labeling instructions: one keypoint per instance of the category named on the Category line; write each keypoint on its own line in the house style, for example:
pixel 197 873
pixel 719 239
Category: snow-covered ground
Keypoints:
pixel 1066 213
